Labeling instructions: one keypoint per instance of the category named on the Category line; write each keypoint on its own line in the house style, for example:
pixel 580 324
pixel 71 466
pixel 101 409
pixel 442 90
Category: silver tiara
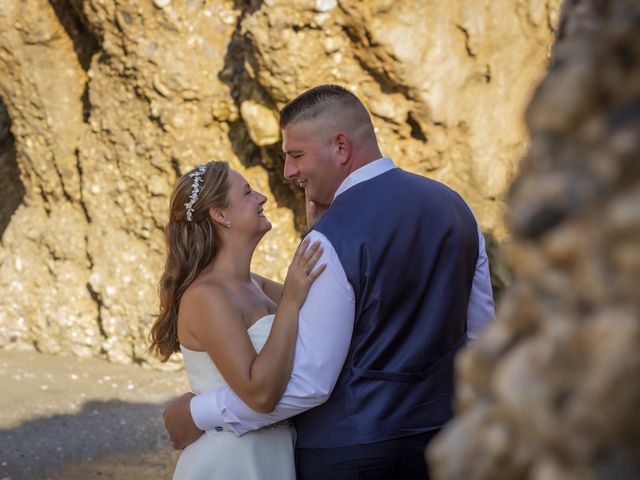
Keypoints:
pixel 195 189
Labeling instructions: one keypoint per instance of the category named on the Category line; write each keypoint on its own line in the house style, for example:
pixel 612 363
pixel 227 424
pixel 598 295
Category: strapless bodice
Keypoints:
pixel 202 372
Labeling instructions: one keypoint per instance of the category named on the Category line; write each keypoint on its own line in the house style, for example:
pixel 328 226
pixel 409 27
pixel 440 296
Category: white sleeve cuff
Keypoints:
pixel 203 408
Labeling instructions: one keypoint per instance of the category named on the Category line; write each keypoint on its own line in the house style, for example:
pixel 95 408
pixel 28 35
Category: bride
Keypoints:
pixel 232 326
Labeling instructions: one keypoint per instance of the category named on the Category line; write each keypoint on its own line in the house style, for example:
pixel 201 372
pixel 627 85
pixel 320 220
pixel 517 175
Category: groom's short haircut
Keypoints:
pixel 318 100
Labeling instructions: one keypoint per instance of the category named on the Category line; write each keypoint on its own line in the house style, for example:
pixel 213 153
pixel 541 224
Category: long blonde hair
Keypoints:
pixel 191 245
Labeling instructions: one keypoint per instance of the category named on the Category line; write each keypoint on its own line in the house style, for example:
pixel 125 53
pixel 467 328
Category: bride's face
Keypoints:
pixel 245 210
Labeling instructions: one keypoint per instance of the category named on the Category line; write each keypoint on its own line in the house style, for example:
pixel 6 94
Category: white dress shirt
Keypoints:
pixel 324 334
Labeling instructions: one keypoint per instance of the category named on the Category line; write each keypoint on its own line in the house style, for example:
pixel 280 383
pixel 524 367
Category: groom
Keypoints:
pixel 406 283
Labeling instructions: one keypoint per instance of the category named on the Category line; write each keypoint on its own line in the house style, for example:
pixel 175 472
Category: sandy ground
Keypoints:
pixel 70 418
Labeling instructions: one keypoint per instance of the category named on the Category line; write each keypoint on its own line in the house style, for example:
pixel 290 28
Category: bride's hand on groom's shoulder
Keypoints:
pixel 178 422
pixel 302 273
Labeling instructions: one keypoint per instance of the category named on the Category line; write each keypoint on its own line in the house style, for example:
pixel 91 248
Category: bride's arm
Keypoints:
pixel 271 288
pixel 259 379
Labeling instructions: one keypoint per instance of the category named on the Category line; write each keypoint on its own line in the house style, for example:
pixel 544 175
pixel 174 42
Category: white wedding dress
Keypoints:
pixel 262 454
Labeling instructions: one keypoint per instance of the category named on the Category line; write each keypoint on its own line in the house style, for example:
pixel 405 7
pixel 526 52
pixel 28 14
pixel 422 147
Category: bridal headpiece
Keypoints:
pixel 195 189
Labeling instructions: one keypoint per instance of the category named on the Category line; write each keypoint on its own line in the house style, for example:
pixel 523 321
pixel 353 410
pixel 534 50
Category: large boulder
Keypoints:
pixel 551 390
pixel 110 101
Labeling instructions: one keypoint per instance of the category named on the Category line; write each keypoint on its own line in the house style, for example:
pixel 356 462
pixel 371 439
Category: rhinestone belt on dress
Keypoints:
pixel 282 424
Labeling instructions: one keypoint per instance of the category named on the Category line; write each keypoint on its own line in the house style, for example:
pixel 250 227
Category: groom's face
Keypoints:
pixel 310 159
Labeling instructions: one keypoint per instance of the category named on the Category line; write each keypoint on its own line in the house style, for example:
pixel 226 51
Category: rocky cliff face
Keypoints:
pixel 109 101
pixel 551 391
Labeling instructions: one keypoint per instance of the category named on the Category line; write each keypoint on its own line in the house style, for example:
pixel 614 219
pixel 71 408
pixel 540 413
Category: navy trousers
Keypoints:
pixel 401 458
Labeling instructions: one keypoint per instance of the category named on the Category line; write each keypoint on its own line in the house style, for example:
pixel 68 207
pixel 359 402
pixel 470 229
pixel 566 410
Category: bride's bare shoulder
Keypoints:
pixel 208 295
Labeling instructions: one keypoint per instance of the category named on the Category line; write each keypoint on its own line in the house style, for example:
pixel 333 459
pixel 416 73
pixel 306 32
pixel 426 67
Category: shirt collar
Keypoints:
pixel 367 172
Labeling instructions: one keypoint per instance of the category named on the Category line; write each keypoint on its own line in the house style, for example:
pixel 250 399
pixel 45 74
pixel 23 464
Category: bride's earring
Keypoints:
pixel 227 224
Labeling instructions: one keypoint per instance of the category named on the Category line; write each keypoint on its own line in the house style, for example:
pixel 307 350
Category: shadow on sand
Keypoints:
pixel 111 439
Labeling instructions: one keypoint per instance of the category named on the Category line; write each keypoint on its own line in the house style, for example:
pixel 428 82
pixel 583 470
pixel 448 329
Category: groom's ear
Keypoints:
pixel 342 148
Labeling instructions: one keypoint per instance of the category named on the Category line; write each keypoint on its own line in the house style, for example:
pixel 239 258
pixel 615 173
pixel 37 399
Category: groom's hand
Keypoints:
pixel 179 424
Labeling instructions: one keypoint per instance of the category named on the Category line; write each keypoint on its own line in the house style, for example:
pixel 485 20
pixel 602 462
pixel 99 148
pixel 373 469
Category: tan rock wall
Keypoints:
pixel 551 391
pixel 109 101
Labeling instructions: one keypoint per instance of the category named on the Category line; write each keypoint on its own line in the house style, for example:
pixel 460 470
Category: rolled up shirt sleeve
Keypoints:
pixel 480 310
pixel 324 334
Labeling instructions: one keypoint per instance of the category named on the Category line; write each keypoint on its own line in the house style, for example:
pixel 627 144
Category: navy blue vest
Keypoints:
pixel 409 247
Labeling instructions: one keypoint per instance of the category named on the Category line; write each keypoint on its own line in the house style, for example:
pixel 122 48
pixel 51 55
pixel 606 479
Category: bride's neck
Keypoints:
pixel 233 261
